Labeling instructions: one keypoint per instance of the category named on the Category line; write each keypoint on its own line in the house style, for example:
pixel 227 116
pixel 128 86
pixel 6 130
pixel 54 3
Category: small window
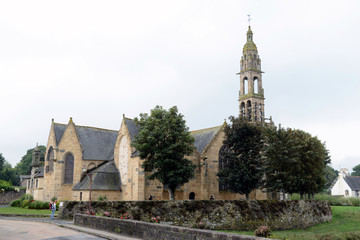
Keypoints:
pixel 346 193
pixel 192 196
pixel 37 183
pixel 80 196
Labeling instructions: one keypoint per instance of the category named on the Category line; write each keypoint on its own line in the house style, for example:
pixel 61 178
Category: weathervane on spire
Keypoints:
pixel 249 19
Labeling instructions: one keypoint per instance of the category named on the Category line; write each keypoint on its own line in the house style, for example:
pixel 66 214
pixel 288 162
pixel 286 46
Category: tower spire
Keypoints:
pixel 251 95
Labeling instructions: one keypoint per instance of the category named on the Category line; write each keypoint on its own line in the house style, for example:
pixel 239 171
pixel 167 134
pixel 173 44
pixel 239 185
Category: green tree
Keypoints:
pixel 356 171
pixel 242 170
pixel 24 166
pixel 331 176
pixel 2 162
pixel 163 142
pixel 280 154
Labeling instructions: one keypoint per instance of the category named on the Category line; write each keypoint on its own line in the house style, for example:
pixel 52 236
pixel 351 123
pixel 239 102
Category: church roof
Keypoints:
pixel 133 129
pixel 59 130
pixel 98 144
pixel 105 177
pixel 353 182
pixel 203 137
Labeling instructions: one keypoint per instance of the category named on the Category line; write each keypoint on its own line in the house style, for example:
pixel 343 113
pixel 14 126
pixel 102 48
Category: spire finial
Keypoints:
pixel 249 19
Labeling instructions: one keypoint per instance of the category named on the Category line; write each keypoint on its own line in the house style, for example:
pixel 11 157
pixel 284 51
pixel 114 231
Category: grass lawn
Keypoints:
pixel 345 225
pixel 19 210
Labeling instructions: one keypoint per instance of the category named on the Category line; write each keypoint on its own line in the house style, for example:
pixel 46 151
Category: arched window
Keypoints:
pixel 192 196
pixel 346 193
pixel 242 109
pixel 249 113
pixel 37 183
pixel 246 86
pixel 261 113
pixel 50 159
pixel 256 85
pixel 69 169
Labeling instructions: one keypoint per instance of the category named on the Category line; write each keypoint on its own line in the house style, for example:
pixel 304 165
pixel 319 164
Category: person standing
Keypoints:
pixel 53 209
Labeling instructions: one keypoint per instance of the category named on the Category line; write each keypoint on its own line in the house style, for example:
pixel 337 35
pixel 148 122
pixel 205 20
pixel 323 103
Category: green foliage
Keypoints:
pixel 356 171
pixel 27 197
pixel 25 203
pixel 2 162
pixel 24 166
pixel 295 161
pixel 331 176
pixel 6 186
pixel 242 171
pixel 102 198
pixel 53 199
pixel 45 205
pixel 36 205
pixel 15 203
pixel 163 142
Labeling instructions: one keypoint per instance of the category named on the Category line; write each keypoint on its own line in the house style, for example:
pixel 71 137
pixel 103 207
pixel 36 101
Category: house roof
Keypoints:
pixel 204 136
pixel 353 182
pixel 98 144
pixel 105 177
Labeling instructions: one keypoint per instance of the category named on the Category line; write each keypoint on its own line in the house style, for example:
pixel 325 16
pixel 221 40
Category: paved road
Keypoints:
pixel 18 228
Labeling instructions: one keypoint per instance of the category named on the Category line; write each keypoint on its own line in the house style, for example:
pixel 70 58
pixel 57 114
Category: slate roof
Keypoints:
pixel 133 129
pixel 98 144
pixel 59 130
pixel 105 177
pixel 203 137
pixel 39 172
pixel 353 182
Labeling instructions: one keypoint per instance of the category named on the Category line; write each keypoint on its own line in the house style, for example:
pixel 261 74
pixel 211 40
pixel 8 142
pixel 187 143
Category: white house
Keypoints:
pixel 346 185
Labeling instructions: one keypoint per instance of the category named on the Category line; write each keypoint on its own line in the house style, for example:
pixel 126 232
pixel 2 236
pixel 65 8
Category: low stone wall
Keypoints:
pixel 232 215
pixel 7 197
pixel 153 231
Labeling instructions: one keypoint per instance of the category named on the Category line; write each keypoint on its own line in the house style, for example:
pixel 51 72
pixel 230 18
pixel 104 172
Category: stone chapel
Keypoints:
pixel 77 155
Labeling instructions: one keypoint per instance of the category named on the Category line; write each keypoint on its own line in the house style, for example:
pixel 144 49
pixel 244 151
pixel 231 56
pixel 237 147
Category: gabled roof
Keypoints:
pixel 133 129
pixel 204 136
pixel 98 144
pixel 59 130
pixel 353 182
pixel 105 177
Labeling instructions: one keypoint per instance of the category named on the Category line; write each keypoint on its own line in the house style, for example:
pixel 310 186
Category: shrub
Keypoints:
pixel 27 197
pixel 102 198
pixel 16 203
pixel 262 231
pixel 45 205
pixel 25 203
pixel 53 199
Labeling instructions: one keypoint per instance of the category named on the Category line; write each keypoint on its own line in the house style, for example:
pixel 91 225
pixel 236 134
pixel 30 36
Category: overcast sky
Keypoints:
pixel 97 60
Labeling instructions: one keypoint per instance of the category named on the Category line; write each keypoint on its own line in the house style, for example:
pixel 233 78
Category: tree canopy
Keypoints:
pixel 163 142
pixel 356 171
pixel 295 161
pixel 24 166
pixel 241 169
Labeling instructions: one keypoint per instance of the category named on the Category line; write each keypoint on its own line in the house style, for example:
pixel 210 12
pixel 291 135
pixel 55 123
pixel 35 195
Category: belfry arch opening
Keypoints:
pixel 256 85
pixel 242 109
pixel 246 86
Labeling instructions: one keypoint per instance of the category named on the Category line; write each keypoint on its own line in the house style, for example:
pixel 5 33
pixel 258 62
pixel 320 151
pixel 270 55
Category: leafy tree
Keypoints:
pixel 242 171
pixel 280 154
pixel 356 171
pixel 163 142
pixel 330 175
pixel 295 161
pixel 2 162
pixel 24 166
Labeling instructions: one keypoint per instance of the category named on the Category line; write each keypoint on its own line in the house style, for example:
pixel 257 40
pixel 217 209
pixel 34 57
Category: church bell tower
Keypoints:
pixel 251 95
